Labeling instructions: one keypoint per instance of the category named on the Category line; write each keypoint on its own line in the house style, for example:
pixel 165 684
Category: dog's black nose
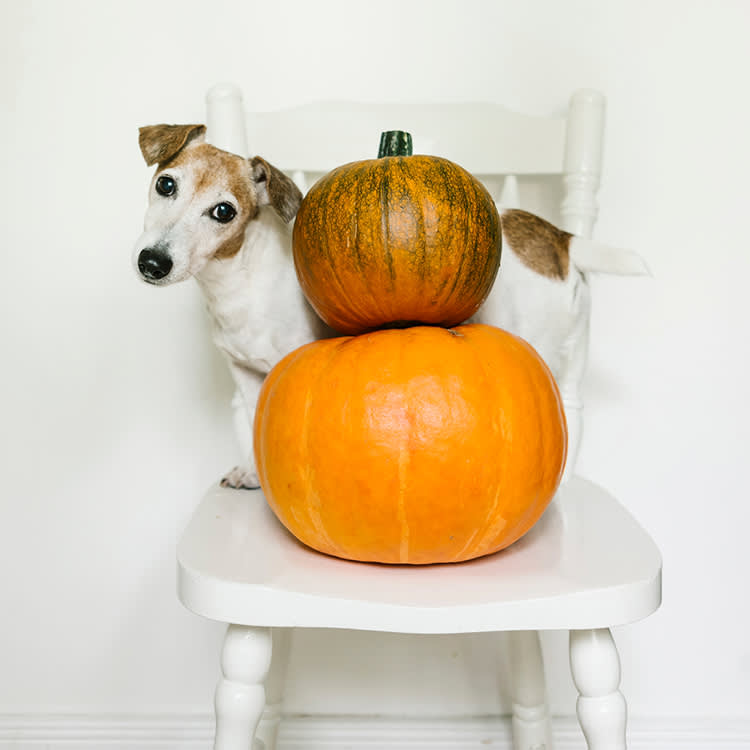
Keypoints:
pixel 154 263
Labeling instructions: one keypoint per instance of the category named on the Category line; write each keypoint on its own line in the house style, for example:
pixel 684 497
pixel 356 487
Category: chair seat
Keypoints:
pixel 585 564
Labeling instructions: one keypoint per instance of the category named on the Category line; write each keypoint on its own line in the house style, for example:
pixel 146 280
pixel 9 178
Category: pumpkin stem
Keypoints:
pixel 395 143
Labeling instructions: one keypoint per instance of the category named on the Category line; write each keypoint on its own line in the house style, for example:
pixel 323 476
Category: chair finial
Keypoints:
pixel 225 119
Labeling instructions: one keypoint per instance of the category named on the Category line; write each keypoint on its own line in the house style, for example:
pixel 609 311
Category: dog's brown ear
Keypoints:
pixel 275 189
pixel 159 143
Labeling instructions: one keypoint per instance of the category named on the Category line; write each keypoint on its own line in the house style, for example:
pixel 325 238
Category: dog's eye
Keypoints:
pixel 223 213
pixel 166 185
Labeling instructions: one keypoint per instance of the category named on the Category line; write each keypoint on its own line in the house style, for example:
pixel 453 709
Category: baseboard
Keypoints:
pixel 106 731
pixel 191 732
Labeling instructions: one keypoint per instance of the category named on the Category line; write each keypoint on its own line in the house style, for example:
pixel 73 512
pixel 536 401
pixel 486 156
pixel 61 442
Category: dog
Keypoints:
pixel 223 220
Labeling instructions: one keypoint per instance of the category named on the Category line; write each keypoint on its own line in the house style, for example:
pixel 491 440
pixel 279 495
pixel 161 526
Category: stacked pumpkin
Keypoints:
pixel 411 439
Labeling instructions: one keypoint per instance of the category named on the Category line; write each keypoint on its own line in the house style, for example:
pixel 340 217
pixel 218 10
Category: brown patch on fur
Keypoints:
pixel 159 143
pixel 540 245
pixel 233 245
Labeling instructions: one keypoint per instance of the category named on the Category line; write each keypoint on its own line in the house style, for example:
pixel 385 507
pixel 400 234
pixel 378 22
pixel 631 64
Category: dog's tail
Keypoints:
pixel 588 255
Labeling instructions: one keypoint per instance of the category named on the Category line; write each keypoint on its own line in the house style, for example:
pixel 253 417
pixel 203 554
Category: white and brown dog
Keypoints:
pixel 208 217
pixel 223 220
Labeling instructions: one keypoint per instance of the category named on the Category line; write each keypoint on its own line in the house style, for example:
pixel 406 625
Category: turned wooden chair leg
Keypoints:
pixel 601 707
pixel 268 729
pixel 532 728
pixel 240 694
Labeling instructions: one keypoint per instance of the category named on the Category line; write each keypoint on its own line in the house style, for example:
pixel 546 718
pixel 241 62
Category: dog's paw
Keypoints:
pixel 241 478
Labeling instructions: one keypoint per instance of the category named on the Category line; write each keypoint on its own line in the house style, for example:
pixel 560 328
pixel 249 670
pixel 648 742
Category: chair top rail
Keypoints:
pixel 484 138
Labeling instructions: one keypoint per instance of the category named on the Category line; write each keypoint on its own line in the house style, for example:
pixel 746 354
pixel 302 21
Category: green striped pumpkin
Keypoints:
pixel 396 241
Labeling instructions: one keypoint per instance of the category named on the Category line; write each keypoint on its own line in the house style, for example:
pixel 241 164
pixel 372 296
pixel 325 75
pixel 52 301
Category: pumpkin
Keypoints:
pixel 398 240
pixel 418 445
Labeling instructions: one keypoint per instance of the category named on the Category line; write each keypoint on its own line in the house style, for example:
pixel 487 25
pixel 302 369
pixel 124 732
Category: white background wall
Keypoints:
pixel 115 404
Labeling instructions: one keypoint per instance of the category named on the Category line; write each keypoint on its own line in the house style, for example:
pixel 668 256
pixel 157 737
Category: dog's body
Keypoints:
pixel 259 315
pixel 210 217
pixel 541 291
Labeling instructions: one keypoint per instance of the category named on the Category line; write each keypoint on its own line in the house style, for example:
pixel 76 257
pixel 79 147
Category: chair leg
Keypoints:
pixel 601 707
pixel 240 694
pixel 532 729
pixel 268 729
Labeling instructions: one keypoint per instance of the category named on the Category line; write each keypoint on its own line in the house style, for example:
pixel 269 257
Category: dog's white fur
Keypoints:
pixel 259 315
pixel 259 311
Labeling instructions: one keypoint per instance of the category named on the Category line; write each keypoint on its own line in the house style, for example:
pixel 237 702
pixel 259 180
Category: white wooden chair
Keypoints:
pixel 585 567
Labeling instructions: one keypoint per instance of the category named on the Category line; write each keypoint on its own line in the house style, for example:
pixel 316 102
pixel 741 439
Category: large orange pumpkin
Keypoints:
pixel 397 240
pixel 417 445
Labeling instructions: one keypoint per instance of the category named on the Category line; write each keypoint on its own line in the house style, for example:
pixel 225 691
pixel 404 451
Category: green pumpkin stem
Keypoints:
pixel 395 143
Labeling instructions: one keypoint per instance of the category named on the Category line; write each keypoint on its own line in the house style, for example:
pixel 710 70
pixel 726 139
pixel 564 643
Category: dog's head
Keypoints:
pixel 200 202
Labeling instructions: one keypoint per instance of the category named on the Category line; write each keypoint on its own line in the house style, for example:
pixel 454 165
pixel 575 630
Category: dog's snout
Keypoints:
pixel 154 263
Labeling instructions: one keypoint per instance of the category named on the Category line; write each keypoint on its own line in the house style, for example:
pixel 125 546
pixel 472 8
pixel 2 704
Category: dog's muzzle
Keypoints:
pixel 154 263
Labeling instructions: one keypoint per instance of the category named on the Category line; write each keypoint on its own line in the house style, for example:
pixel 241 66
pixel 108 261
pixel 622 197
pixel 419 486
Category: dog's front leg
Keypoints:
pixel 249 382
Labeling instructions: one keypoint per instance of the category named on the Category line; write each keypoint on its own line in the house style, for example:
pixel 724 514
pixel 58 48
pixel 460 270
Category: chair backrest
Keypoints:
pixel 486 139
